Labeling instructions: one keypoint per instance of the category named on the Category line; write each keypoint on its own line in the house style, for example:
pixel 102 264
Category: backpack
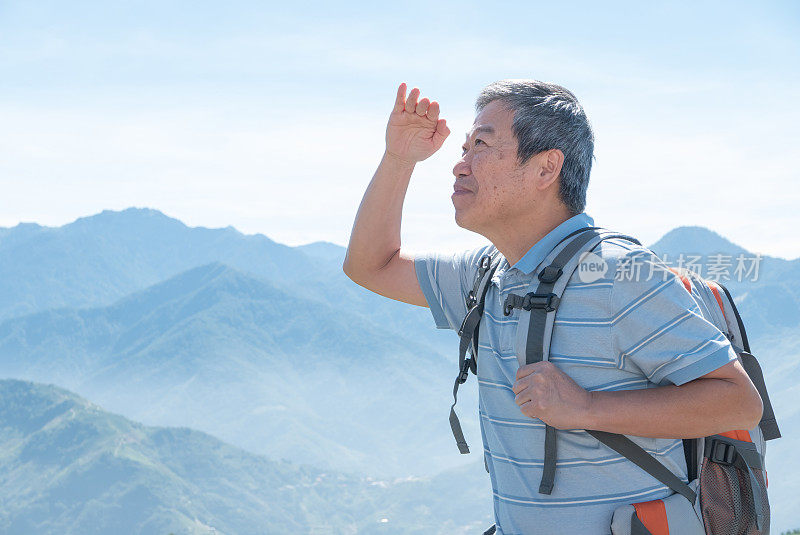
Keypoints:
pixel 727 489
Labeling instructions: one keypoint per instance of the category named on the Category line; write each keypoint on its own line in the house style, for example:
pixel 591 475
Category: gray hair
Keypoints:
pixel 548 116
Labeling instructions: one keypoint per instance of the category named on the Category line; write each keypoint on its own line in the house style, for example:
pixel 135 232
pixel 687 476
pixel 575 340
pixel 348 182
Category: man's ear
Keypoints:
pixel 550 164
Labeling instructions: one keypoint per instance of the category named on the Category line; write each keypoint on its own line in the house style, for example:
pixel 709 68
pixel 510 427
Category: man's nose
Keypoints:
pixel 461 168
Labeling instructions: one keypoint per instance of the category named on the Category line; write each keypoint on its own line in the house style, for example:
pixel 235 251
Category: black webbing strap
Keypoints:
pixel 535 342
pixel 636 454
pixel 547 279
pixel 742 331
pixel 466 332
pixel 472 300
pixel 690 455
pixel 550 455
pixel 534 350
pixel 768 424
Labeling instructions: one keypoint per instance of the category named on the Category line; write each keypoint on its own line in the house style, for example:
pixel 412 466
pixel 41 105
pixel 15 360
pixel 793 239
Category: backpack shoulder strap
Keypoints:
pixel 538 344
pixel 487 266
pixel 553 280
pixel 638 456
pixel 546 300
pixel 768 423
pixel 715 297
pixel 467 333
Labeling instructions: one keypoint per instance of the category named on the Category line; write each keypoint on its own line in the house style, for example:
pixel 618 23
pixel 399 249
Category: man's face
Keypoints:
pixel 488 169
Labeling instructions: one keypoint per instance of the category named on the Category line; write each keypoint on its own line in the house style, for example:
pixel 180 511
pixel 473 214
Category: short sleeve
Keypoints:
pixel 446 279
pixel 657 326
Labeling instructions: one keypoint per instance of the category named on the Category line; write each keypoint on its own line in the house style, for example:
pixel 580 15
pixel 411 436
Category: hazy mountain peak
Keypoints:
pixel 19 232
pixel 324 250
pixel 695 239
pixel 133 218
pixel 22 226
pixel 96 260
pixel 214 277
pixel 28 407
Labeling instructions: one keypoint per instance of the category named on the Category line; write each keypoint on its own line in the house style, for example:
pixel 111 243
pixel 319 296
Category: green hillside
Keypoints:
pixel 69 467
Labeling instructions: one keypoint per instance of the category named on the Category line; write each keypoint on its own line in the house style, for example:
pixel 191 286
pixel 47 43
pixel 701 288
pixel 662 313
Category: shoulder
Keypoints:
pixel 459 266
pixel 637 275
pixel 464 259
pixel 629 270
pixel 468 260
pixel 473 256
pixel 471 260
pixel 619 257
pixel 618 250
pixel 604 262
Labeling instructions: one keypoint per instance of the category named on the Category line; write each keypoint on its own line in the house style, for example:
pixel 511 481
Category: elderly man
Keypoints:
pixel 629 355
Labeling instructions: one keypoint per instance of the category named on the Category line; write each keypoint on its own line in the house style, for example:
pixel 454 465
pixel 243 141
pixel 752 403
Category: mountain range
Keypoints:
pixel 274 350
pixel 243 359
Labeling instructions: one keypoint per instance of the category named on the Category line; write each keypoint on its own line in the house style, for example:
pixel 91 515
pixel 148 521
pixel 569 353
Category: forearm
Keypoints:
pixel 376 232
pixel 698 408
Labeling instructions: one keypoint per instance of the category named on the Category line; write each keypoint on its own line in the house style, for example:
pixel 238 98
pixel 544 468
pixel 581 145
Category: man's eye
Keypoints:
pixel 464 149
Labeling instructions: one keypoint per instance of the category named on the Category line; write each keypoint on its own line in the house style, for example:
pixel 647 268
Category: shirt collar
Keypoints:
pixel 536 254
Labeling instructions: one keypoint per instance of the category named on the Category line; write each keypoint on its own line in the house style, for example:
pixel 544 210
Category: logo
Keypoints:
pixel 591 267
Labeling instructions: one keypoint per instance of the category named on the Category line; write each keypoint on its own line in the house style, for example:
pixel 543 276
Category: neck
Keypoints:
pixel 514 239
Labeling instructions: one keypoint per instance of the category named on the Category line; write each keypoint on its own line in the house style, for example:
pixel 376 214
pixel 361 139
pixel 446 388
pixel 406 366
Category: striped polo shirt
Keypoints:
pixel 633 327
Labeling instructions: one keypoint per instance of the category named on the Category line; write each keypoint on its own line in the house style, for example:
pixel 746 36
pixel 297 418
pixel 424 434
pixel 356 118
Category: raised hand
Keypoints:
pixel 414 131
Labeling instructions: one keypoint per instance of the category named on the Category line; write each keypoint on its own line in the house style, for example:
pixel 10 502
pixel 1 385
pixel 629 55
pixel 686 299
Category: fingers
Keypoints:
pixel 528 409
pixel 527 369
pixel 433 111
pixel 422 107
pixel 411 102
pixel 400 99
pixel 525 400
pixel 531 383
pixel 440 133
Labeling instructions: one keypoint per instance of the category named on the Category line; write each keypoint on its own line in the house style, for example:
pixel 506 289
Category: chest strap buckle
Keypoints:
pixel 549 302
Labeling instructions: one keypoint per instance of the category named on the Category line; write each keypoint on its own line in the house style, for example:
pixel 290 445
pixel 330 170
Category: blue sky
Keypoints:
pixel 271 117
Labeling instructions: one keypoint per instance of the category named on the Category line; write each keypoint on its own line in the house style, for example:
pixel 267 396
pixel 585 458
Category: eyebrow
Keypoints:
pixel 487 129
